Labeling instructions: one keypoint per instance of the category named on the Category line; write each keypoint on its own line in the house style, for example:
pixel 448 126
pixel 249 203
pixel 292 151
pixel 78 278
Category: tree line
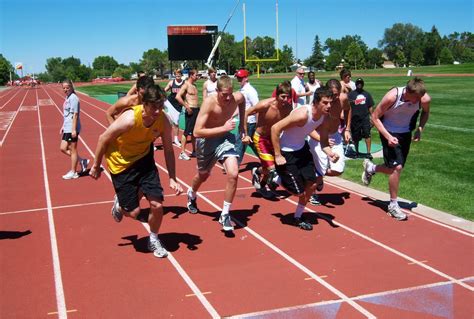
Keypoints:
pixel 403 44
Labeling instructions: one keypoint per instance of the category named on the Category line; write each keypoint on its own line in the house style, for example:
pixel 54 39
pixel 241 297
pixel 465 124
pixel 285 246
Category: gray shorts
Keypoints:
pixel 211 150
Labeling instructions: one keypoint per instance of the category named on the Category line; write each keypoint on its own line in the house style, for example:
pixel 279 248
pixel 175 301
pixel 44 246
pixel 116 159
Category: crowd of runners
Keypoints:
pixel 298 133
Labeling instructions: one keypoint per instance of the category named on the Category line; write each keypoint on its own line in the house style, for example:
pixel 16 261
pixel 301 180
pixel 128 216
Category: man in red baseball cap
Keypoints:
pixel 251 99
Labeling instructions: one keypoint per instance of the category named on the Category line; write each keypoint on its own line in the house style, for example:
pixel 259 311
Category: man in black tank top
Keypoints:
pixel 174 86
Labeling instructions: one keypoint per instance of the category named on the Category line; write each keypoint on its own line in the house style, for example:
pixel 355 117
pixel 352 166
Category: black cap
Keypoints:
pixel 359 80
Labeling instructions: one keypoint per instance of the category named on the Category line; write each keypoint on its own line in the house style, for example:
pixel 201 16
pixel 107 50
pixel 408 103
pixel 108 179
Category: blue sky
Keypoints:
pixel 33 30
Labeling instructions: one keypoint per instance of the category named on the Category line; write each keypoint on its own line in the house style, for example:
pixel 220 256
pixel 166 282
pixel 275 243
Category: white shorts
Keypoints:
pixel 321 160
pixel 172 113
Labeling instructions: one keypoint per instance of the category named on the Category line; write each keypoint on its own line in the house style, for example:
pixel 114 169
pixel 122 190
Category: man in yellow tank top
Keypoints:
pixel 126 146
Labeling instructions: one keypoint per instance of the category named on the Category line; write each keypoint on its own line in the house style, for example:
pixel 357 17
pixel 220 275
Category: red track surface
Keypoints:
pixel 61 253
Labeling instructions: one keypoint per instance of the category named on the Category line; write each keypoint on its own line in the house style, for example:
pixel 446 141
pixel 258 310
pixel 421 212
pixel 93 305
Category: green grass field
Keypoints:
pixel 438 172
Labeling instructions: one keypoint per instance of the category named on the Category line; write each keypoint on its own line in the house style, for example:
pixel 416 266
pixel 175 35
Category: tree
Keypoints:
pixel 433 45
pixel 333 60
pixel 401 37
pixel 374 58
pixel 56 69
pixel 104 65
pixel 355 57
pixel 445 56
pixel 230 53
pixel 416 57
pixel 154 60
pixel 400 59
pixel 461 46
pixel 317 57
pixel 5 69
pixel 286 59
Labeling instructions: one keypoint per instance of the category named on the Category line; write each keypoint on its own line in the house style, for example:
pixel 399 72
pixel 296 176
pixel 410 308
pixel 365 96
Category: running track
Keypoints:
pixel 62 255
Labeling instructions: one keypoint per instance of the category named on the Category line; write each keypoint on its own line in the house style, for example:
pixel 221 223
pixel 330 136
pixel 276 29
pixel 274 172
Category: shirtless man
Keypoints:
pixel 269 112
pixel 134 89
pixel 188 97
pixel 129 100
pixel 215 142
pixel 292 154
pixel 340 105
pixel 347 84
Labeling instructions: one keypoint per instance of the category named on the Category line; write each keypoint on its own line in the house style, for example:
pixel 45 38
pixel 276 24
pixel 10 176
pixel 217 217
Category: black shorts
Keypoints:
pixel 298 170
pixel 68 137
pixel 142 175
pixel 190 121
pixel 360 129
pixel 397 155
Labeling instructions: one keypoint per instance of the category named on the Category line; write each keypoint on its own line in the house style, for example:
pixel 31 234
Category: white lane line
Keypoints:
pixel 328 302
pixel 101 202
pixel 58 282
pixel 195 289
pixel 291 260
pixel 13 119
pixel 406 210
pixel 17 91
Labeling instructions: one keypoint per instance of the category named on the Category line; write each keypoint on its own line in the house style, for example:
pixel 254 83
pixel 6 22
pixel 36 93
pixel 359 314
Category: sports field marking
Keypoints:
pixel 28 108
pixel 380 244
pixel 17 91
pixel 101 202
pixel 451 128
pixel 13 119
pixel 280 252
pixel 6 119
pixel 58 283
pixel 55 313
pixel 328 302
pixel 193 295
pixel 44 102
pixel 170 257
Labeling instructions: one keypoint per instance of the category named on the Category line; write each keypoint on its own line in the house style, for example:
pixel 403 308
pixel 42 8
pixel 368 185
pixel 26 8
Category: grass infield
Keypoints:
pixel 439 171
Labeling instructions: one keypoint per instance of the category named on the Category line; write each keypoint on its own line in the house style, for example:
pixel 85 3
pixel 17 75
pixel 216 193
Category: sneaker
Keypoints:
pixel 396 212
pixel 183 156
pixel 157 248
pixel 301 223
pixel 256 178
pixel 71 175
pixel 192 207
pixel 84 164
pixel 272 185
pixel 266 193
pixel 314 200
pixel 366 176
pixel 116 214
pixel 226 222
pixel 177 143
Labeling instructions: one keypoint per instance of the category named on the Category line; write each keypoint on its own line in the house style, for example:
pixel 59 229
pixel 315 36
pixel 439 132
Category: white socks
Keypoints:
pixel 299 210
pixel 191 193
pixel 153 237
pixel 226 208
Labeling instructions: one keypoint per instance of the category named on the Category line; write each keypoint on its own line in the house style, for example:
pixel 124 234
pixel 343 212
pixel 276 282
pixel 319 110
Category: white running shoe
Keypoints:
pixel 71 175
pixel 157 248
pixel 395 211
pixel 184 156
pixel 366 176
pixel 226 222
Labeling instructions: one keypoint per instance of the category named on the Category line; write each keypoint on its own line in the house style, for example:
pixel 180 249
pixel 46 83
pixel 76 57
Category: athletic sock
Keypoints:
pixel 153 237
pixel 191 193
pixel 394 202
pixel 226 208
pixel 299 210
pixel 371 168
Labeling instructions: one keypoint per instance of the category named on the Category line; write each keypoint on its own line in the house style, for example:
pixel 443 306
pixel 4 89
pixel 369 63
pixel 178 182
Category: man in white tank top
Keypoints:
pixel 293 158
pixel 395 117
pixel 210 85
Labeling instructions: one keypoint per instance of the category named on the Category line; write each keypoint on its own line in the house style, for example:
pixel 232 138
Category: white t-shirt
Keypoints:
pixel 312 88
pixel 211 87
pixel 251 99
pixel 71 106
pixel 297 84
